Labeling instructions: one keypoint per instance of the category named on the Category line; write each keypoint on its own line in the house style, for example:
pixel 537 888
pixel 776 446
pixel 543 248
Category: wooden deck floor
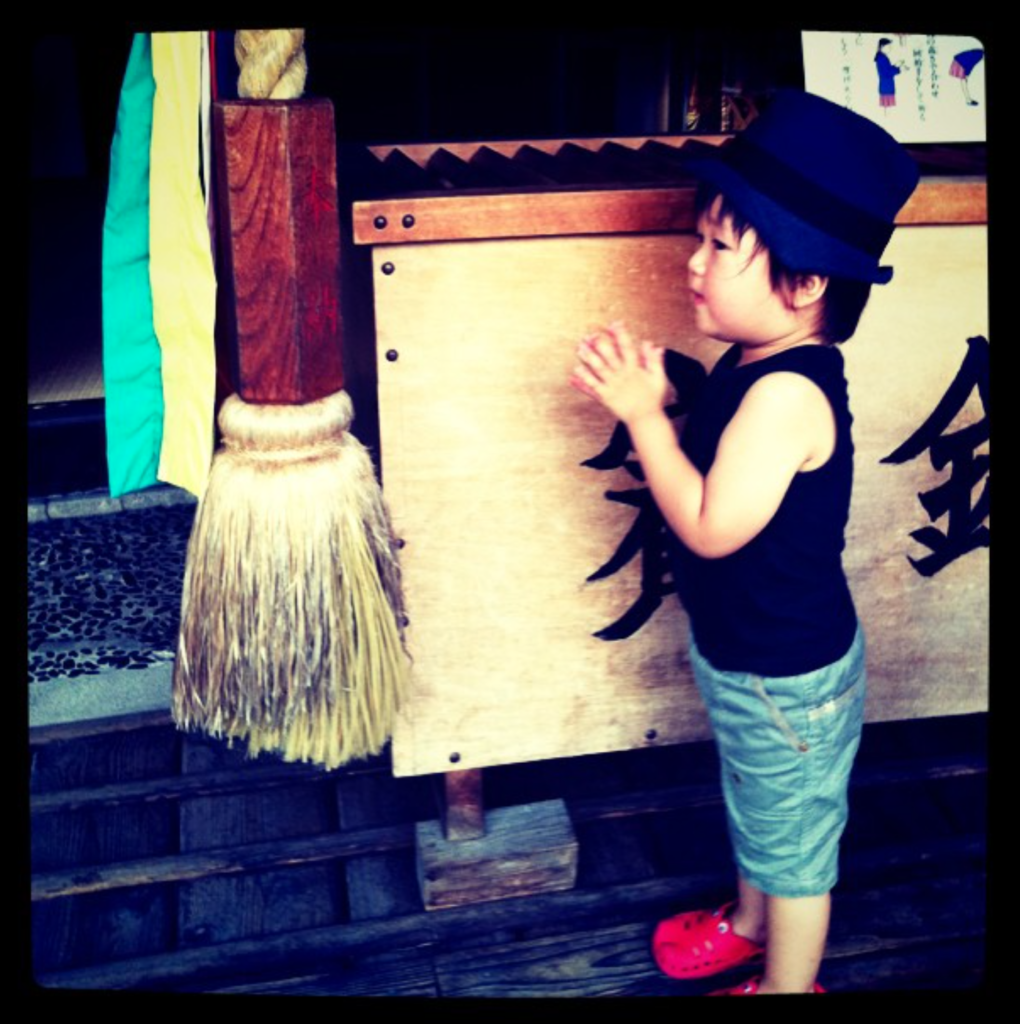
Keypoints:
pixel 167 863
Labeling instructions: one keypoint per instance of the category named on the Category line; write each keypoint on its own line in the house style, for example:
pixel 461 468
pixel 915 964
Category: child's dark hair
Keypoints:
pixel 844 299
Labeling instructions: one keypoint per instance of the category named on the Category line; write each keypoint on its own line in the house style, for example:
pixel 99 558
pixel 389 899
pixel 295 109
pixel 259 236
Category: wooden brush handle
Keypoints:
pixel 280 243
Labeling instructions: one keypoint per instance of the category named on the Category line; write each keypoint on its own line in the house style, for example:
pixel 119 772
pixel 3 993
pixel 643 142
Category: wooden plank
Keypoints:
pixel 522 215
pixel 602 962
pixel 91 837
pixel 937 966
pixel 135 756
pixel 927 635
pixel 526 850
pixel 91 930
pixel 102 926
pixel 616 960
pixel 460 929
pixel 380 884
pixel 176 787
pixel 693 841
pixel 192 969
pixel 885 864
pixel 958 200
pixel 257 901
pixel 62 732
pixel 963 803
pixel 907 810
pixel 614 851
pixel 569 211
pixel 226 860
pixel 276 171
pixel 504 548
pixel 403 974
pixel 890 917
pixel 355 843
pixel 867 873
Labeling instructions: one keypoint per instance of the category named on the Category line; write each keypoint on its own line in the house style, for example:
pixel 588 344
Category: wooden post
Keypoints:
pixel 463 807
pixel 276 167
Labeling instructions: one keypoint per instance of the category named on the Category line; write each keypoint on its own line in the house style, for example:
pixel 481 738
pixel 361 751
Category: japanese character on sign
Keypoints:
pixel 647 535
pixel 965 523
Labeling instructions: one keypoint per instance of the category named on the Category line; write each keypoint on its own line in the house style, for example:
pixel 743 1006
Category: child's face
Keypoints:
pixel 731 287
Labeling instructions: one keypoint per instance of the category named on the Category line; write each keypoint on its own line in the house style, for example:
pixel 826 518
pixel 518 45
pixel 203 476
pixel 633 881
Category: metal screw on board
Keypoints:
pixel 388 268
pixel 392 355
pixel 380 222
pixel 454 758
pixel 651 734
pixel 408 220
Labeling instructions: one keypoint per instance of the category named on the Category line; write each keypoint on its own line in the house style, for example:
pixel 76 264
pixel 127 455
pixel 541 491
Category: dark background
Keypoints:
pixel 389 84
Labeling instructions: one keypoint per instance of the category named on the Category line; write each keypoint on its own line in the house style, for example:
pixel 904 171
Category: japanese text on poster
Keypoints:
pixel 920 88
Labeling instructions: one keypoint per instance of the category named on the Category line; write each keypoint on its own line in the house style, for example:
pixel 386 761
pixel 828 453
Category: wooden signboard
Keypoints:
pixel 484 451
pixel 927 625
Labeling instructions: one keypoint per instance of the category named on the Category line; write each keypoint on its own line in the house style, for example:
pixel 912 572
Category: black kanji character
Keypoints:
pixel 647 535
pixel 965 530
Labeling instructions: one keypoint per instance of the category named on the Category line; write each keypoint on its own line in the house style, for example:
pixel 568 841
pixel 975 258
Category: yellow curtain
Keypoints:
pixel 181 266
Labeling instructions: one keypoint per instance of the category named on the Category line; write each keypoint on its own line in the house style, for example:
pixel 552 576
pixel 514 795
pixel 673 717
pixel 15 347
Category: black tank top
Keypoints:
pixel 780 605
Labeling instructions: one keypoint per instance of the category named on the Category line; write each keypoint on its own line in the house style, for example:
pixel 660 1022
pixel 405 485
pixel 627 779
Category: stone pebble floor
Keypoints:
pixel 104 591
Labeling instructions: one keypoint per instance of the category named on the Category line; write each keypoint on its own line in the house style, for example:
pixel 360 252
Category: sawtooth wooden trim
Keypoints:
pixel 422 152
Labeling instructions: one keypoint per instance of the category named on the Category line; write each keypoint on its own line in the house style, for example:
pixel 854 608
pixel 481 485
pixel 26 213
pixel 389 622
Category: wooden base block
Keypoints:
pixel 526 850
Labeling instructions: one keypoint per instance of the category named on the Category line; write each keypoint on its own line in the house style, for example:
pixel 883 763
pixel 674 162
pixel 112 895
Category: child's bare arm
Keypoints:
pixel 783 425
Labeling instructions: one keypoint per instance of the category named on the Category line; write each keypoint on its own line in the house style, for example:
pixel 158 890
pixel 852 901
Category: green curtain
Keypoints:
pixel 131 353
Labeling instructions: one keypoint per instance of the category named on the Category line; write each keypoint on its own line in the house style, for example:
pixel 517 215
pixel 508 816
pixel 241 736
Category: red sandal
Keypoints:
pixel 700 943
pixel 750 988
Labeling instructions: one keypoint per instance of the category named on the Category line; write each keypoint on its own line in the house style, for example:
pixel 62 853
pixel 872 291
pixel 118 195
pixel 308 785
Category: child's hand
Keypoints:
pixel 627 378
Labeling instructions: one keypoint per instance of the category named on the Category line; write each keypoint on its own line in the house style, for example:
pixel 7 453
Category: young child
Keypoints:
pixel 793 216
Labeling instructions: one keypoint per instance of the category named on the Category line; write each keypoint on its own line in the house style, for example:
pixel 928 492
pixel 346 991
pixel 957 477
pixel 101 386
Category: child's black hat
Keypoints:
pixel 820 184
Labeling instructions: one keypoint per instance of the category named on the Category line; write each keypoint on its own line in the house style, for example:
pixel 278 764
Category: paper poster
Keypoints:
pixel 920 88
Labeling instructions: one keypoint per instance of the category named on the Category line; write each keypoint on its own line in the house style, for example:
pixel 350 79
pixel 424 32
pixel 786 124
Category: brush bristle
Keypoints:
pixel 291 631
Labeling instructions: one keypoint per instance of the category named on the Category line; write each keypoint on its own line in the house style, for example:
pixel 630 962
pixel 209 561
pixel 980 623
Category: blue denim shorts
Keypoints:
pixel 786 747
